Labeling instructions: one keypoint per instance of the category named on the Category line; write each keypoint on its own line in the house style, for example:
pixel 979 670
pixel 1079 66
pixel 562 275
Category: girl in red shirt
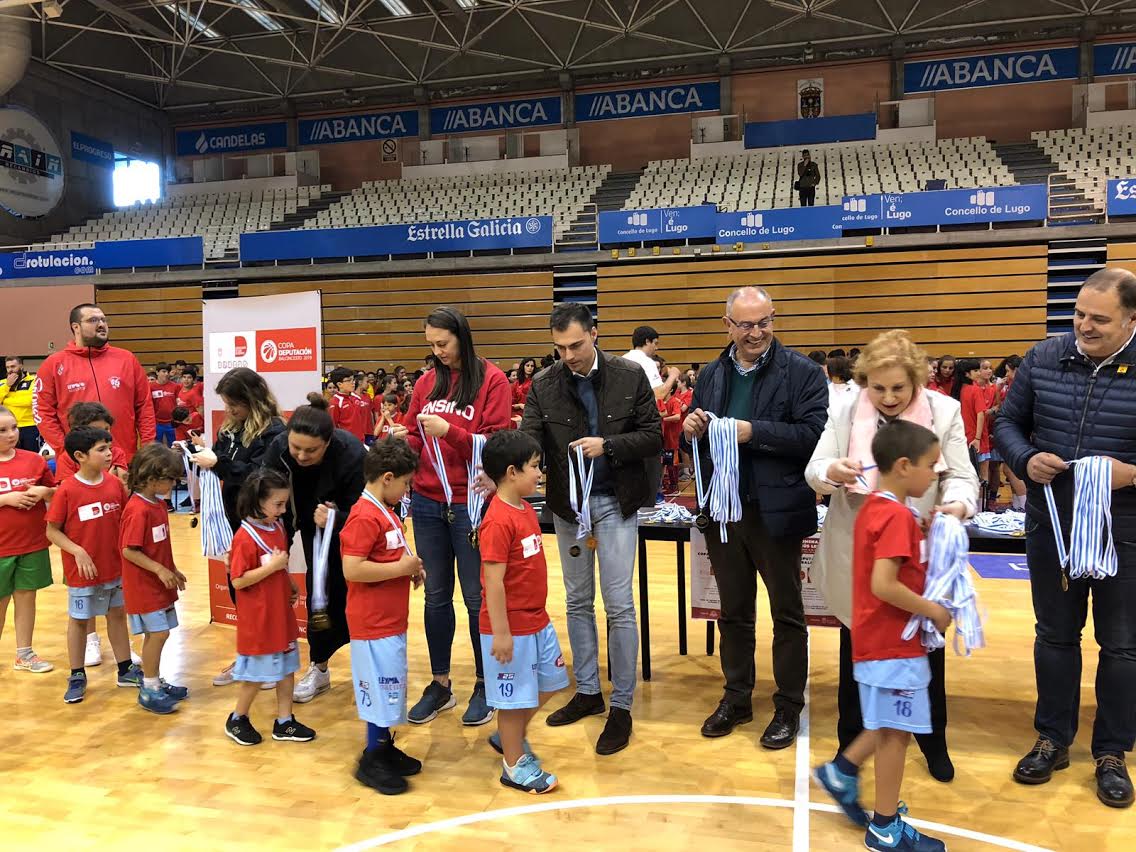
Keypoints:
pixel 266 622
pixel 979 399
pixel 671 411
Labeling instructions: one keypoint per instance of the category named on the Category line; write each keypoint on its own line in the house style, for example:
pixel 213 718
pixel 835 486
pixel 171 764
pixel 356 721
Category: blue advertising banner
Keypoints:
pixel 46 264
pixel 667 223
pixel 861 211
pixel 497 115
pixel 992 69
pixel 229 140
pixel 1110 60
pixel 92 150
pixel 1121 197
pixel 965 206
pixel 170 251
pixel 466 235
pixel 810 131
pixel 767 226
pixel 359 128
pixel 653 100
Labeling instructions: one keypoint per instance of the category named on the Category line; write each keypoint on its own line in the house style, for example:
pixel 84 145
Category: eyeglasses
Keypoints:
pixel 750 326
pixel 95 321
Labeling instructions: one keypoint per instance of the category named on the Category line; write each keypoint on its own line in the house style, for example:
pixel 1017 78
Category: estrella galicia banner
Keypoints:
pixel 1110 60
pixel 466 235
pixel 965 206
pixel 652 100
pixel 666 223
pixel 46 264
pixel 31 165
pixel 92 150
pixel 359 128
pixel 992 69
pixel 767 226
pixel 497 115
pixel 1122 197
pixel 230 140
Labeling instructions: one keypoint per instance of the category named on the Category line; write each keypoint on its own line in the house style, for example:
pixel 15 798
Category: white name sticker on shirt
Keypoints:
pixel 923 551
pixel 264 557
pixel 160 533
pixel 90 512
pixel 530 546
pixel 394 542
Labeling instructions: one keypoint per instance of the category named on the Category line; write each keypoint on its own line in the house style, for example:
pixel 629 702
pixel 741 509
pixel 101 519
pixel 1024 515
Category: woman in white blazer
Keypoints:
pixel 891 373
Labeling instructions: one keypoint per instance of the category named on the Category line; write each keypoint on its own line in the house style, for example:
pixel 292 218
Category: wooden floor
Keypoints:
pixel 105 774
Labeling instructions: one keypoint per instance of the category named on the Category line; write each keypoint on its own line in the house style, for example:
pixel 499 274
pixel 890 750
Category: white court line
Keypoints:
pixel 613 801
pixel 801 780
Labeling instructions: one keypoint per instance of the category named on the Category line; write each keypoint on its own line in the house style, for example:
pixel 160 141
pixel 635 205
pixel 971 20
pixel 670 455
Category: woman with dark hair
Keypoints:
pixel 325 467
pixel 462 396
pixel 252 421
pixel 523 386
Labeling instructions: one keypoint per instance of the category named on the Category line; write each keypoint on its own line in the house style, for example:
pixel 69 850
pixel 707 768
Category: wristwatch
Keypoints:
pixel 607 448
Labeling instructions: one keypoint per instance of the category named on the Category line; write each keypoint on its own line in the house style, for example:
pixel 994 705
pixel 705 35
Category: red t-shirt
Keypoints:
pixel 671 429
pixel 375 610
pixel 22 530
pixel 165 398
pixel 65 466
pixel 196 423
pixel 146 526
pixel 973 400
pixel 193 398
pixel 684 398
pixel 521 392
pixel 885 529
pixel 266 623
pixel 89 515
pixel 352 413
pixel 512 537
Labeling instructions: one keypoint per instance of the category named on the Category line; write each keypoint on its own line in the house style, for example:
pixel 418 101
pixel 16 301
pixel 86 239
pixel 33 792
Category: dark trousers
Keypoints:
pixel 323 643
pixel 750 551
pixel 850 722
pixel 808 196
pixel 1060 619
pixel 29 439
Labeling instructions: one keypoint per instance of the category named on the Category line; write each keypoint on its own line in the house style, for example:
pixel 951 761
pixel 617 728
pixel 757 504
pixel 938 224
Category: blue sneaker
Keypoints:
pixel 844 789
pixel 131 677
pixel 156 701
pixel 495 743
pixel 76 689
pixel 435 698
pixel 478 712
pixel 897 834
pixel 528 777
pixel 177 693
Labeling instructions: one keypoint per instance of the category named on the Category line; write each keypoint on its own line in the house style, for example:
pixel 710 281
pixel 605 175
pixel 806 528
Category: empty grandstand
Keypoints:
pixel 1090 157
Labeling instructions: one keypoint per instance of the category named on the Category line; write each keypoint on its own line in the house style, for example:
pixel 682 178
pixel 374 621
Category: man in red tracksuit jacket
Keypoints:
pixel 90 370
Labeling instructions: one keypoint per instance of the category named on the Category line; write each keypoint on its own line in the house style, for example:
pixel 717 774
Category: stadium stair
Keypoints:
pixel 1070 263
pixel 575 283
pixel 1030 164
pixel 583 233
pixel 317 206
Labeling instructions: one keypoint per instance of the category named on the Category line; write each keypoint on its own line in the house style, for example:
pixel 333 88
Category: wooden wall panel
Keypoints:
pixel 986 301
pixel 155 323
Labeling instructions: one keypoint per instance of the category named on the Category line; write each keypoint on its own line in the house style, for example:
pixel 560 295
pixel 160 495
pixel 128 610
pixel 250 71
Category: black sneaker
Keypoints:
pixel 396 760
pixel 378 776
pixel 435 698
pixel 292 731
pixel 241 731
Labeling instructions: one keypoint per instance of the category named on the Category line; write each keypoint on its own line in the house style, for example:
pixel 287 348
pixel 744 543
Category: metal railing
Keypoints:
pixel 1059 184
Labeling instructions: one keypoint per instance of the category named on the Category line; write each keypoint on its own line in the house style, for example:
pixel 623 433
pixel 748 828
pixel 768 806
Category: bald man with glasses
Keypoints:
pixel 779 399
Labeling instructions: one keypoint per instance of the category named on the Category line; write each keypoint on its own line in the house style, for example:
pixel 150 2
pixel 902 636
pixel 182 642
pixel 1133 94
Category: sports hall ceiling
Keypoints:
pixel 217 58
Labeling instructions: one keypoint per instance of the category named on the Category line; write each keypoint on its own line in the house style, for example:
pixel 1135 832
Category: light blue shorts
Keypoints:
pixel 893 694
pixel 984 457
pixel 267 668
pixel 378 668
pixel 89 601
pixel 537 666
pixel 153 622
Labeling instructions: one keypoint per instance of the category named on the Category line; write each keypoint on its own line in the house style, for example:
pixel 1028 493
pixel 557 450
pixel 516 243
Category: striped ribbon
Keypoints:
pixel 321 550
pixel 724 501
pixel 434 450
pixel 582 473
pixel 190 479
pixel 474 499
pixel 393 521
pixel 216 534
pixel 1091 553
pixel 251 529
pixel 949 584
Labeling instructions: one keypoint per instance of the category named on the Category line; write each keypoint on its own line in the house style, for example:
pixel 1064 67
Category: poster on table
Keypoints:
pixel 279 337
pixel 705 603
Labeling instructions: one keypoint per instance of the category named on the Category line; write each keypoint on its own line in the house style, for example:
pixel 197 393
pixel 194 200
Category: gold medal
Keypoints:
pixel 574 551
pixel 450 516
pixel 473 539
pixel 591 542
pixel 319 621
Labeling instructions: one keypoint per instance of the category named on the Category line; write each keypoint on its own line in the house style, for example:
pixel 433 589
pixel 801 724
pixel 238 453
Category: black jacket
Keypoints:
pixel 629 423
pixel 790 409
pixel 235 462
pixel 808 175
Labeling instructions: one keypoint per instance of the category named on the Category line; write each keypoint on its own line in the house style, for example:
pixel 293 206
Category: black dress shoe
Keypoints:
pixel 723 720
pixel 616 732
pixel 1045 758
pixel 938 760
pixel 580 706
pixel 782 730
pixel 1114 787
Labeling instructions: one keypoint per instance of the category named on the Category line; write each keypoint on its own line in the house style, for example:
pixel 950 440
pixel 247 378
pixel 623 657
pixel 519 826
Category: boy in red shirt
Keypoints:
pixel 150 580
pixel 95 415
pixel 349 411
pixel 523 662
pixel 164 393
pixel 83 522
pixel 671 411
pixel 386 414
pixel 380 568
pixel 889 570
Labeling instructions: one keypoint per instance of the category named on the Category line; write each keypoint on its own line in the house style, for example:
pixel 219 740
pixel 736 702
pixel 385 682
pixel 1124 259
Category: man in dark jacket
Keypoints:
pixel 605 406
pixel 808 178
pixel 780 401
pixel 1075 397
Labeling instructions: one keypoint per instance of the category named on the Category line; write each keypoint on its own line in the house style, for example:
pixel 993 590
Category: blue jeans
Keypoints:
pixel 164 434
pixel 616 541
pixel 439 544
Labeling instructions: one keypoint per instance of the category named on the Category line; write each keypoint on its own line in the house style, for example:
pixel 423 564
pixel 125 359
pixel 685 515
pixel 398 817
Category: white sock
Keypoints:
pixel 92 636
pixel 280 721
pixel 153 684
pixel 23 653
pixel 508 768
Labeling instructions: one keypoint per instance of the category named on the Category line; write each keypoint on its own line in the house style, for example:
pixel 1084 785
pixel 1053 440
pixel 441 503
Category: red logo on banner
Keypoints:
pixel 286 350
pixel 240 346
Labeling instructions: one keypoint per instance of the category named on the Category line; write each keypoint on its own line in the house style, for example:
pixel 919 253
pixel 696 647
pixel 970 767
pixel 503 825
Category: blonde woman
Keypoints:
pixel 892 374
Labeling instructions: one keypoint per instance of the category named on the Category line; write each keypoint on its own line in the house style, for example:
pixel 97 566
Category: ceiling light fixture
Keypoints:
pixel 396 8
pixel 192 20
pixel 325 11
pixel 254 11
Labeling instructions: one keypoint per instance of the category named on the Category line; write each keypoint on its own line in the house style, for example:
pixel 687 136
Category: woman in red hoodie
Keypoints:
pixel 463 395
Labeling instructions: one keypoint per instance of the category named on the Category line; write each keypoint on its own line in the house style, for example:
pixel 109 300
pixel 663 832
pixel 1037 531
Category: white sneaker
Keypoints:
pixel 312 684
pixel 225 677
pixel 94 654
pixel 134 658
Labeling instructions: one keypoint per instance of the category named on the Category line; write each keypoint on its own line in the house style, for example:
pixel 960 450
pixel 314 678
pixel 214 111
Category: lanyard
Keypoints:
pixel 474 499
pixel 434 450
pixel 393 521
pixel 725 502
pixel 1091 553
pixel 216 534
pixel 583 473
pixel 255 536
pixel 321 550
